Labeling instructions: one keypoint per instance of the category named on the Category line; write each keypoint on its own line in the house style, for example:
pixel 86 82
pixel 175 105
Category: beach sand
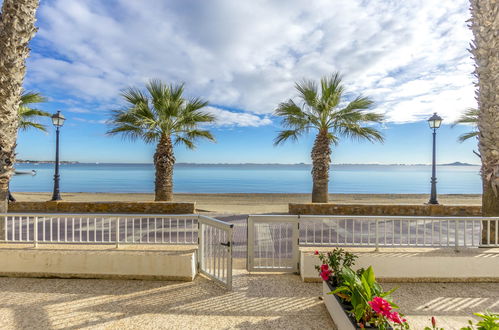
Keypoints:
pixel 258 203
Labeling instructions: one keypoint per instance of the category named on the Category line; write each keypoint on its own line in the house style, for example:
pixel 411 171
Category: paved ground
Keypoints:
pixel 257 302
pixel 452 304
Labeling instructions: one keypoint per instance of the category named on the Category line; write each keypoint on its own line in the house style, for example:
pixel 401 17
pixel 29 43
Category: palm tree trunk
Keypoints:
pixel 164 161
pixel 321 158
pixel 485 50
pixel 17 27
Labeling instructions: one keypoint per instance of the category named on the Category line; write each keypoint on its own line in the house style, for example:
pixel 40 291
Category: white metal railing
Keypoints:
pixel 273 240
pixel 316 230
pixel 99 228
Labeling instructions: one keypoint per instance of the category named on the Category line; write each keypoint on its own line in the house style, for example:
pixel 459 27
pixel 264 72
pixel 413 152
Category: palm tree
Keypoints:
pixel 17 27
pixel 322 109
pixel 485 51
pixel 165 118
pixel 28 115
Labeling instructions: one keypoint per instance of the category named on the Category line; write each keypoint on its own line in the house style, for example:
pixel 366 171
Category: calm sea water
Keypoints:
pixel 139 178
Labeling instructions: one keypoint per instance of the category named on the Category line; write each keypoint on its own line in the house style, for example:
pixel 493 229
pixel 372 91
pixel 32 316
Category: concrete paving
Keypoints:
pixel 257 302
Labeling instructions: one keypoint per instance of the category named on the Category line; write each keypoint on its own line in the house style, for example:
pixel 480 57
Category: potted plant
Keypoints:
pixel 354 299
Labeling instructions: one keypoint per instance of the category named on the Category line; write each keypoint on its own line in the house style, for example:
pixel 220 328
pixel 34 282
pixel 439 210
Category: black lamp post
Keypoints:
pixel 58 121
pixel 435 121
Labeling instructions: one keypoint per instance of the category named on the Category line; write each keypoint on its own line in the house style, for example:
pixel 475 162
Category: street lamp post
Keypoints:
pixel 435 121
pixel 58 121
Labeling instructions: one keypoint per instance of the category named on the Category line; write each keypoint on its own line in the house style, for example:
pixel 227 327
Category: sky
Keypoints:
pixel 244 57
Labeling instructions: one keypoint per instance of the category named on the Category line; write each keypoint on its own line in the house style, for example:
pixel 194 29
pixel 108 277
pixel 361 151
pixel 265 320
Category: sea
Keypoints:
pixel 249 178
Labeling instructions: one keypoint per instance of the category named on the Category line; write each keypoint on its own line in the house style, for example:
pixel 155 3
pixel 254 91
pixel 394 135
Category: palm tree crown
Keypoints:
pixel 163 112
pixel 27 115
pixel 470 116
pixel 321 110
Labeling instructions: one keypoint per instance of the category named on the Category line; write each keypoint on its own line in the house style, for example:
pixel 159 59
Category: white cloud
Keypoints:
pixel 410 56
pixel 229 118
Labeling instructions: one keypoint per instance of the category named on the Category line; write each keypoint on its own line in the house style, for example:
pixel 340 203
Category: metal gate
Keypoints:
pixel 273 243
pixel 215 249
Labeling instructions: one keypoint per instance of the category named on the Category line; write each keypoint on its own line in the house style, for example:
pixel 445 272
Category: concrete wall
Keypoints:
pixel 88 263
pixel 104 207
pixel 402 210
pixel 418 265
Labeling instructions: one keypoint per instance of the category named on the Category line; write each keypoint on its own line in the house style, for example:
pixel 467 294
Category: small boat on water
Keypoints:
pixel 32 172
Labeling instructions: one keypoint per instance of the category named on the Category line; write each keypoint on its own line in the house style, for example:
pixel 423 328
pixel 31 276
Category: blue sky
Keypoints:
pixel 411 57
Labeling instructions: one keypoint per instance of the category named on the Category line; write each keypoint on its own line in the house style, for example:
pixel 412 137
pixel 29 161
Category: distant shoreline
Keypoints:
pixel 303 165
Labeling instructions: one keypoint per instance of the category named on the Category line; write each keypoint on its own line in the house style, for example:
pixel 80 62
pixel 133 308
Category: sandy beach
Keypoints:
pixel 258 203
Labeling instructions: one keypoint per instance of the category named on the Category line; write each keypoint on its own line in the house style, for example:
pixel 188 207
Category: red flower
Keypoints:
pixel 395 317
pixel 361 325
pixel 316 252
pixel 325 274
pixel 380 306
pixel 324 267
pixel 433 321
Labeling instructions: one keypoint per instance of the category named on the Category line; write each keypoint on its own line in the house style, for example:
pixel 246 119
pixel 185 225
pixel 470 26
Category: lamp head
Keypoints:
pixel 58 119
pixel 435 121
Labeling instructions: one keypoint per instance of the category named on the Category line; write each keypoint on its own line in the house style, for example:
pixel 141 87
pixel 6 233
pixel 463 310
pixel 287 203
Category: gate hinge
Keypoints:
pixel 225 244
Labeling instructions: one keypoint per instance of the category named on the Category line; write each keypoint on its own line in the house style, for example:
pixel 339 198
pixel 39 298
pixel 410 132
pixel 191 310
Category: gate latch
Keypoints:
pixel 225 244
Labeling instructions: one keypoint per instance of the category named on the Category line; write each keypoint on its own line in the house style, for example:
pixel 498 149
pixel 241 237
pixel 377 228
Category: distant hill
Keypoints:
pixel 458 164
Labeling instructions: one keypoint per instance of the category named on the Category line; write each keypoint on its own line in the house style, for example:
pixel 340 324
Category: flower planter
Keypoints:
pixel 337 310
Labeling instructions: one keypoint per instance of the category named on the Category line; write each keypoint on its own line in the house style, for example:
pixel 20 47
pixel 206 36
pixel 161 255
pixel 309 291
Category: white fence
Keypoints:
pixel 214 237
pixel 398 231
pixel 273 241
pixel 100 228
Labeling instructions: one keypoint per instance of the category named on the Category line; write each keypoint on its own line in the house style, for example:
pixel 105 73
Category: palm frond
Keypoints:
pixel 29 97
pixel 25 125
pixel 286 135
pixel 294 117
pixel 307 91
pixel 189 138
pixel 331 91
pixel 185 141
pixel 27 115
pixel 470 116
pixel 134 96
pixel 26 112
pixel 466 136
pixel 358 132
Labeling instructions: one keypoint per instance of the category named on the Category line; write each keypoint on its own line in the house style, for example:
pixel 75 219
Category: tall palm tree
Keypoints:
pixel 17 27
pixel 27 115
pixel 322 109
pixel 485 50
pixel 165 118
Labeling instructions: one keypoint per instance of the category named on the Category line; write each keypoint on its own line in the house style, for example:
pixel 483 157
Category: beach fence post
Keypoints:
pixel 35 232
pixel 456 235
pixel 377 235
pixel 118 232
